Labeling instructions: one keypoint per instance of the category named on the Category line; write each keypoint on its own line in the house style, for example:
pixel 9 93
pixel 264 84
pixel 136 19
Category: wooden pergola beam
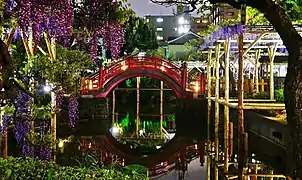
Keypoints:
pixel 253 44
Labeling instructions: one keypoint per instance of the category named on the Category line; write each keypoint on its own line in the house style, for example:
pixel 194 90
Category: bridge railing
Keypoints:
pixel 143 62
pixel 105 74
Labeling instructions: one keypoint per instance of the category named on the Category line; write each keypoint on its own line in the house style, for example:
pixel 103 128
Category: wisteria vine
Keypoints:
pixel 222 32
pixel 73 110
pixel 56 17
pixel 59 100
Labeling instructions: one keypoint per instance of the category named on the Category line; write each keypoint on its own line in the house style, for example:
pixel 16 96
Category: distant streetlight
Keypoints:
pixel 183 29
pixel 181 20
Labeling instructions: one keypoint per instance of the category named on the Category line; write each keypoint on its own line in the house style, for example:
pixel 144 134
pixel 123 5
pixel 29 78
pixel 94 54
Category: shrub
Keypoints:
pixel 279 95
pixel 27 168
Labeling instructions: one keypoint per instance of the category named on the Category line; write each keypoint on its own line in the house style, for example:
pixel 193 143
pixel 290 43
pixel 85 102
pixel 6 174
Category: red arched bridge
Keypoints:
pixel 175 76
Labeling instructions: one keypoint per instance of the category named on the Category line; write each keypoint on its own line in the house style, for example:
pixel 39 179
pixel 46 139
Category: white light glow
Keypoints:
pixel 47 88
pixel 181 20
pixel 159 20
pixel 115 130
pixel 141 132
pixel 183 29
pixel 61 144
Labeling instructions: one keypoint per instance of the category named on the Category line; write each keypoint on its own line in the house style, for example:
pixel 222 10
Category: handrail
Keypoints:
pixel 97 81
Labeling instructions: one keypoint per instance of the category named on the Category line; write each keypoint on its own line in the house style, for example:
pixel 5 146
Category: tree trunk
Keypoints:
pixel 293 102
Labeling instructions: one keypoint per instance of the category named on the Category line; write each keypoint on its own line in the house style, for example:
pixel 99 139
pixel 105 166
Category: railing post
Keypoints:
pixel 184 71
pixel 100 80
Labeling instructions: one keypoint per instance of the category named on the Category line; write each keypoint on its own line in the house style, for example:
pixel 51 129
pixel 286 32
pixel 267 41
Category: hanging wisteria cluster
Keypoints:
pixel 222 32
pixel 43 152
pixel 112 34
pixel 59 100
pixel 73 110
pixel 22 126
pixel 55 17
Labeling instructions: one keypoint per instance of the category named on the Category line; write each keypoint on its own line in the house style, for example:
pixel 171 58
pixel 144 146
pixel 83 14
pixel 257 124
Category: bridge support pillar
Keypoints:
pixel 184 76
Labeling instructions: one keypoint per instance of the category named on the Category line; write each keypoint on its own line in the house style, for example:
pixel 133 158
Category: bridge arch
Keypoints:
pixel 108 78
pixel 113 83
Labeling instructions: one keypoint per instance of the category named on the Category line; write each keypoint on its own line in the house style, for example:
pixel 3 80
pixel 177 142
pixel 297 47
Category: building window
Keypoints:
pixel 159 20
pixel 160 38
pixel 147 20
pixel 159 29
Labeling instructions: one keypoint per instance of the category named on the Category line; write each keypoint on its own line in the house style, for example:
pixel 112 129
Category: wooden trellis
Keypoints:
pixel 251 52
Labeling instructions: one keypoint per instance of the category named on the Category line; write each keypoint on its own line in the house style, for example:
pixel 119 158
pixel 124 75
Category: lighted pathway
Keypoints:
pixel 195 171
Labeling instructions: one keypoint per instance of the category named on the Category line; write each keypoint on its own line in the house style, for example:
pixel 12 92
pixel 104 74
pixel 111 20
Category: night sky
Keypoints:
pixel 146 7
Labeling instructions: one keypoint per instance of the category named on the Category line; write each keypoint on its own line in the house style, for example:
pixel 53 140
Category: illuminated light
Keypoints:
pixel 124 67
pixel 183 29
pixel 141 132
pixel 196 87
pixel 181 20
pixel 115 130
pixel 47 88
pixel 159 20
pixel 89 145
pixel 253 155
pixel 157 147
pixel 161 163
pixel 90 85
pixel 253 161
pixel 195 146
pixel 61 144
pixel 162 68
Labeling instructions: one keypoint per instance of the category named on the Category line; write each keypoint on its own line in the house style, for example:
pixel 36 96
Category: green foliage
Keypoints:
pixel 255 17
pixel 139 34
pixel 146 144
pixel 42 112
pixel 136 169
pixel 279 95
pixel 7 109
pixel 19 168
pixel 66 70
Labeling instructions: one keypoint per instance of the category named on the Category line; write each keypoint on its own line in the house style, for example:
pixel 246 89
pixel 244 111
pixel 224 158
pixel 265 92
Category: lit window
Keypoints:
pixel 147 20
pixel 159 20
pixel 160 38
pixel 159 29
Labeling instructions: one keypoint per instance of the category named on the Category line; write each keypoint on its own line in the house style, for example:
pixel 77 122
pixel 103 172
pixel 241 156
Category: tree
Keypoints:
pixel 277 14
pixel 139 34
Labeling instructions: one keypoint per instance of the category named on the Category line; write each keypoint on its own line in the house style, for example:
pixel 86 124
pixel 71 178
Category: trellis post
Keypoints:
pixel 209 67
pixel 257 70
pixel 271 54
pixel 226 107
pixel 217 53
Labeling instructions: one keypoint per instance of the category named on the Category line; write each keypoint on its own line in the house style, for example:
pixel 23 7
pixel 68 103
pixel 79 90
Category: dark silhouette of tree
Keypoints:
pixel 139 34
